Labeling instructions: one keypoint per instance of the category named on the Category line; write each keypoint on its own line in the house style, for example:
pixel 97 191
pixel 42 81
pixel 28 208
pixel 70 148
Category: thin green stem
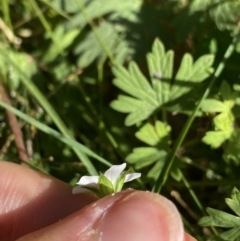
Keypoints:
pixel 163 176
pixel 100 90
pixel 95 31
pixel 26 20
pixel 6 14
pixel 195 198
pixel 192 193
pixel 164 115
pixel 100 73
pixel 100 122
pixel 46 25
pixel 46 129
pixel 59 11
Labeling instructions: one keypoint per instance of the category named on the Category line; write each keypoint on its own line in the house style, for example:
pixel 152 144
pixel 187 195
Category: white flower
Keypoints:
pixel 109 182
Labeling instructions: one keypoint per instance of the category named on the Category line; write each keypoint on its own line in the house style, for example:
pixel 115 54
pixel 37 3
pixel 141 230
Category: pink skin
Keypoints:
pixel 32 205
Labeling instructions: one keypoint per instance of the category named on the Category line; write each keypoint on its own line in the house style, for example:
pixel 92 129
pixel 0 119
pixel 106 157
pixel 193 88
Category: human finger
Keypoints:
pixel 31 200
pixel 128 215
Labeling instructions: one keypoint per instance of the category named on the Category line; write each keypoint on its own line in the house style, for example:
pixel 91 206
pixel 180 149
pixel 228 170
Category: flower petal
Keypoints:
pixel 132 176
pixel 88 180
pixel 114 172
pixel 79 189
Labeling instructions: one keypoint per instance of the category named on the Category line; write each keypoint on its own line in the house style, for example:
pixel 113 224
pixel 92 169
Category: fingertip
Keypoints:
pixel 188 237
pixel 32 200
pixel 129 215
pixel 141 216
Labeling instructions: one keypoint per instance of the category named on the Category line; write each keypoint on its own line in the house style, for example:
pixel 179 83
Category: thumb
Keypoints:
pixel 129 215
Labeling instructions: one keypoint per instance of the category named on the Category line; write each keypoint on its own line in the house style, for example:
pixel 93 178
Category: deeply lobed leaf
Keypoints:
pixel 150 97
pixel 222 219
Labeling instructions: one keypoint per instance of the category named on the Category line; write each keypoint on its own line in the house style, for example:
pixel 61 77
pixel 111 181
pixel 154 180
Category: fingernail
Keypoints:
pixel 125 216
pixel 140 216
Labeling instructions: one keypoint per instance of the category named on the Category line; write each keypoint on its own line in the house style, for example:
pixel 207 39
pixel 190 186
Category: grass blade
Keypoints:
pixel 162 178
pixel 34 91
pixel 46 129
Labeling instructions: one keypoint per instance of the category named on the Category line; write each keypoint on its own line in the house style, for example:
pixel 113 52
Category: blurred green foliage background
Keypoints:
pixel 87 84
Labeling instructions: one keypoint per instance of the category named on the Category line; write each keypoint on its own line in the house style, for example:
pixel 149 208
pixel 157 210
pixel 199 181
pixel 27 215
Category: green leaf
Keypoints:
pixel 150 97
pixel 185 67
pixel 126 104
pixel 190 73
pixel 69 6
pixel 224 13
pixel 222 219
pixel 105 185
pixel 148 135
pixel 97 9
pixel 234 201
pixel 139 111
pixel 162 129
pixel 160 65
pixel 219 219
pixel 216 138
pixel 224 121
pixel 155 170
pixel 232 234
pixel 90 49
pixel 199 5
pixel 62 71
pixel 134 83
pixel 176 174
pixel 145 156
pixel 225 90
pixel 238 47
pixel 232 150
pixel 24 62
pixel 228 20
pixel 212 105
pixel 153 135
pixel 229 96
pixel 236 87
pixel 66 40
pixel 120 182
